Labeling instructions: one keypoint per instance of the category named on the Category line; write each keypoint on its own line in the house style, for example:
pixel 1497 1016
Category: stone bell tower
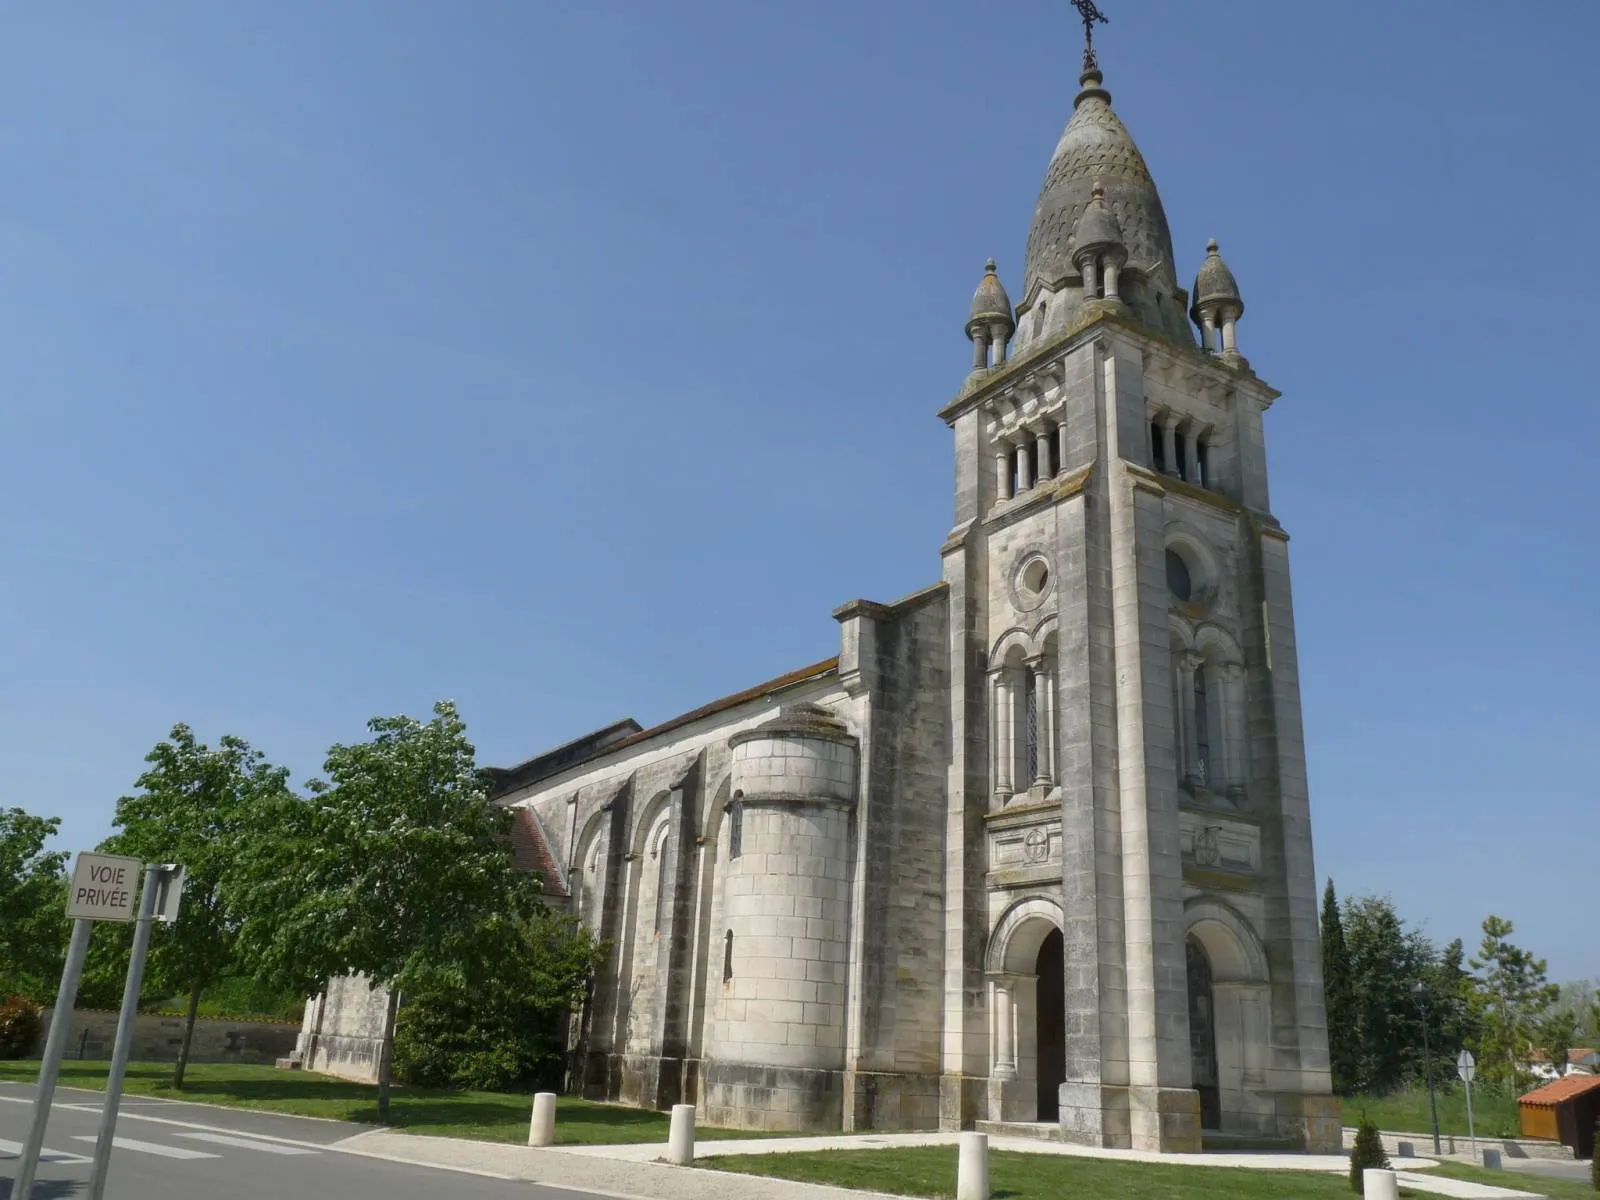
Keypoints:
pixel 1131 925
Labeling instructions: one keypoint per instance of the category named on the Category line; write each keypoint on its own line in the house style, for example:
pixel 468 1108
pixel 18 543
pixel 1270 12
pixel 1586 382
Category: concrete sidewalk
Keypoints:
pixel 633 1171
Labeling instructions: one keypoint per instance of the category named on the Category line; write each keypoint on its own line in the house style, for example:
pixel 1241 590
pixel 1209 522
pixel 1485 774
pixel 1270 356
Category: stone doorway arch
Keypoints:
pixel 1229 1018
pixel 1027 1012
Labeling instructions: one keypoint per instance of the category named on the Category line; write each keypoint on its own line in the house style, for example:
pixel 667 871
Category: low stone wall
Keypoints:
pixel 156 1038
pixel 1420 1145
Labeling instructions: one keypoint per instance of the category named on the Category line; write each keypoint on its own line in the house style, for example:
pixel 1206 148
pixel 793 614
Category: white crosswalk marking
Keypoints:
pixel 14 1150
pixel 122 1143
pixel 223 1139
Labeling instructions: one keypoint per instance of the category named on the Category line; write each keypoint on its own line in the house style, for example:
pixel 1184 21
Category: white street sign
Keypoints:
pixel 1467 1066
pixel 103 887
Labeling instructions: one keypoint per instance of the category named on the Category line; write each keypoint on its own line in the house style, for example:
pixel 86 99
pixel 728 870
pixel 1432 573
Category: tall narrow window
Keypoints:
pixel 1158 452
pixel 735 829
pixel 1185 467
pixel 663 878
pixel 1203 465
pixel 1202 724
pixel 1030 734
pixel 727 956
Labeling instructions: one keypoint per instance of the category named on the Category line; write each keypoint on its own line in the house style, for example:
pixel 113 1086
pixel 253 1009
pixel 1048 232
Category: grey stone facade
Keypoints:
pixel 1036 845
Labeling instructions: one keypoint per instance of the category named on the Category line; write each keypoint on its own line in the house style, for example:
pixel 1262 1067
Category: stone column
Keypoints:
pixel 1191 453
pixel 1091 284
pixel 1051 720
pixel 1041 709
pixel 1002 472
pixel 1061 444
pixel 1208 331
pixel 1002 733
pixel 980 349
pixel 1232 753
pixel 1042 446
pixel 1111 280
pixel 1169 441
pixel 1230 335
pixel 997 340
pixel 1025 478
pixel 1005 1030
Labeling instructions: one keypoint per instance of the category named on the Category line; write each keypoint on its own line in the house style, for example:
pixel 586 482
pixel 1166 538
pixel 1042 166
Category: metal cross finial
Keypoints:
pixel 1091 14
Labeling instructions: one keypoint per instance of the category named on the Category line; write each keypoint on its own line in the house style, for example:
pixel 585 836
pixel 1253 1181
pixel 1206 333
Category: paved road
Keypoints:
pixel 169 1150
pixel 1550 1168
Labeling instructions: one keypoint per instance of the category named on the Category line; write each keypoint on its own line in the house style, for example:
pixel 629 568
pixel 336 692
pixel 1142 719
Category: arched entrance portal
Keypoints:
pixel 1203 1035
pixel 1050 1020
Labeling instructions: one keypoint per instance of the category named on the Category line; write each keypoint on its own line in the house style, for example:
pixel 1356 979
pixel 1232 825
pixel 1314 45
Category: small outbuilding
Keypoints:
pixel 1564 1111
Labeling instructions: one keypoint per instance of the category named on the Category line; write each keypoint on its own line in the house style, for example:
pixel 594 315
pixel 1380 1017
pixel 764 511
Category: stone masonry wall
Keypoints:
pixel 156 1038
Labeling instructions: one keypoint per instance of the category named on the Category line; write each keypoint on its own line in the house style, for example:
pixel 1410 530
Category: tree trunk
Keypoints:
pixel 188 1032
pixel 386 1054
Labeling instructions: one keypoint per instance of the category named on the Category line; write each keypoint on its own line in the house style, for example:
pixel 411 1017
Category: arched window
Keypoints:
pixel 1202 724
pixel 664 874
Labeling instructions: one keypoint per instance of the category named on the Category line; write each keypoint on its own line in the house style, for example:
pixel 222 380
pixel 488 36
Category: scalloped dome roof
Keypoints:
pixel 990 302
pixel 1215 282
pixel 1097 146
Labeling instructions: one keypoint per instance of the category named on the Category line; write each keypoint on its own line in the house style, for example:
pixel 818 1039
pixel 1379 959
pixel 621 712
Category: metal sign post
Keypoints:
pixel 54 1047
pixel 154 874
pixel 1467 1068
pixel 102 890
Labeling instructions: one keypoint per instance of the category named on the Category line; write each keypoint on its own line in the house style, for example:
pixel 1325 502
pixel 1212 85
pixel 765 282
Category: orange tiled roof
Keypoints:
pixel 530 851
pixel 1552 1094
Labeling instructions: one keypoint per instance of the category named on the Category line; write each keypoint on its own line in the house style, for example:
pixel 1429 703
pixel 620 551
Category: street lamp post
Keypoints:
pixel 1419 993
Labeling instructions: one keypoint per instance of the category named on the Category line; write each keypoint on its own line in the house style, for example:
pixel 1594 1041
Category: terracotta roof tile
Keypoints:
pixel 1552 1094
pixel 530 851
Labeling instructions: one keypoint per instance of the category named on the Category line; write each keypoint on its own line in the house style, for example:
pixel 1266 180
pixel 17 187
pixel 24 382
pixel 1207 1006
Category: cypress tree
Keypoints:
pixel 1366 1154
pixel 1343 1037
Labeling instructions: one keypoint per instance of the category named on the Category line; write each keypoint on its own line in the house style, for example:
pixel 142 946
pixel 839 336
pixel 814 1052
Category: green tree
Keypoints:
pixel 33 923
pixel 194 806
pixel 1556 1034
pixel 1366 1154
pixel 394 867
pixel 508 1029
pixel 1513 998
pixel 1344 1049
pixel 1451 1015
pixel 1387 961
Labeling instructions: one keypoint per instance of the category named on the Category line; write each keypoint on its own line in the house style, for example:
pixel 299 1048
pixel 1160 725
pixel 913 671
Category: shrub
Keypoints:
pixel 19 1027
pixel 507 1030
pixel 1366 1153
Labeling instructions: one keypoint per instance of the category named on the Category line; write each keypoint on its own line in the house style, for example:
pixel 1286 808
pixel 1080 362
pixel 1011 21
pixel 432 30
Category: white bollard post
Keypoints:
pixel 680 1139
pixel 1378 1184
pixel 542 1130
pixel 972 1167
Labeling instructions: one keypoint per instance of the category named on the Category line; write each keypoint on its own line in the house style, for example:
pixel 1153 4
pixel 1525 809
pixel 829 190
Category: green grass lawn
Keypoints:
pixel 931 1171
pixel 1522 1181
pixel 1407 1112
pixel 485 1116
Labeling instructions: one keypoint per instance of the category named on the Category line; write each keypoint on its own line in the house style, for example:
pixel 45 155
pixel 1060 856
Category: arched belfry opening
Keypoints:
pixel 1203 1035
pixel 1050 1024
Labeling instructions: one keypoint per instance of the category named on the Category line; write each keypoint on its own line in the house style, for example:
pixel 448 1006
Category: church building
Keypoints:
pixel 1035 847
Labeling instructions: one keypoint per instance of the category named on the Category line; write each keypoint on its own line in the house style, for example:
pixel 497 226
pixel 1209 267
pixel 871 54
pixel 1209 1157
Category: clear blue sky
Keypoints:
pixel 575 360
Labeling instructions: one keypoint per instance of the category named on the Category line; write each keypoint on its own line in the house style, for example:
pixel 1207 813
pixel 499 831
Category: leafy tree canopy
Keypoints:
pixel 33 924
